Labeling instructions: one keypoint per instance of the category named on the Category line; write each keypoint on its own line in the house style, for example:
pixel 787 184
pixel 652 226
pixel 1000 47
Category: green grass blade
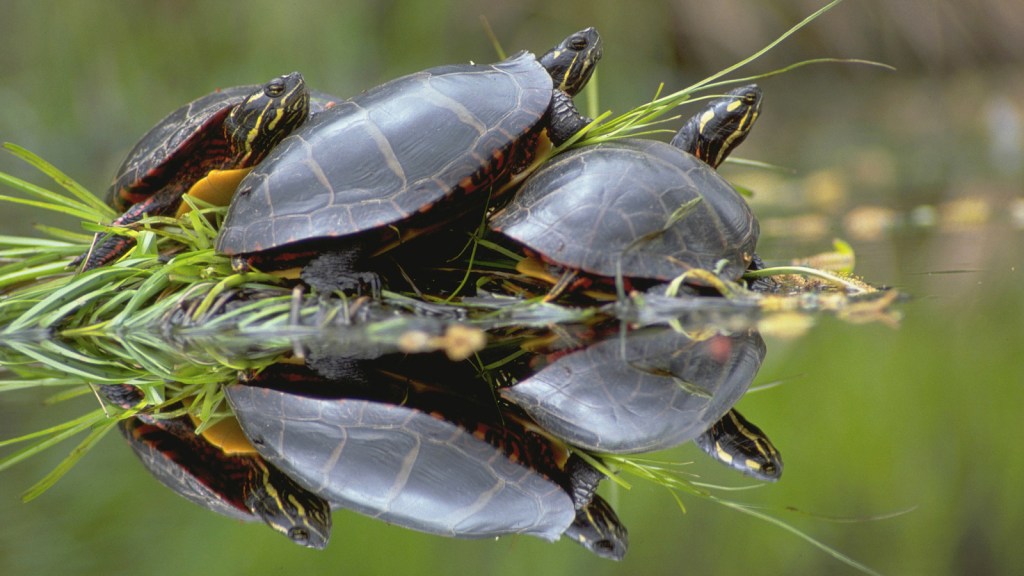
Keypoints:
pixel 643 116
pixel 31 242
pixel 77 190
pixel 98 432
pixel 65 362
pixel 50 436
pixel 793 30
pixel 30 273
pixel 799 533
pixel 12 384
pixel 60 207
pixel 80 240
pixel 79 287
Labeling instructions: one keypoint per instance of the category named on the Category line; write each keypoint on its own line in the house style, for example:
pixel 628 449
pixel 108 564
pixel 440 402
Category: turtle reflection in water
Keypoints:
pixel 379 438
pixel 648 390
pixel 230 480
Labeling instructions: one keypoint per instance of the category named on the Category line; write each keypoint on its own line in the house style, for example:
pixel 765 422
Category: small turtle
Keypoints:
pixel 228 129
pixel 640 208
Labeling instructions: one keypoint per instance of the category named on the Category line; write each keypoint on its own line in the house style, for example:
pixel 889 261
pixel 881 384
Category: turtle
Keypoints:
pixel 423 456
pixel 639 208
pixel 235 482
pixel 401 160
pixel 650 389
pixel 232 128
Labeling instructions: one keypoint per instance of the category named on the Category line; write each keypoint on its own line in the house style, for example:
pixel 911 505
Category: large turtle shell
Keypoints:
pixel 657 389
pixel 154 159
pixel 391 153
pixel 401 462
pixel 645 205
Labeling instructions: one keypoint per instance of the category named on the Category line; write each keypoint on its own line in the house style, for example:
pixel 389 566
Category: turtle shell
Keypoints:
pixel 391 153
pixel 196 471
pixel 642 205
pixel 157 156
pixel 443 468
pixel 656 390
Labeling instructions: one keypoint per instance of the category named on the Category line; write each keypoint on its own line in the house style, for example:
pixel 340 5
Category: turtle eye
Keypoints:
pixel 605 545
pixel 274 89
pixel 299 535
pixel 578 43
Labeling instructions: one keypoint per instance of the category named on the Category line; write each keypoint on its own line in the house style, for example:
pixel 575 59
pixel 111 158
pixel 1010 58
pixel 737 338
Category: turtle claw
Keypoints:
pixel 333 272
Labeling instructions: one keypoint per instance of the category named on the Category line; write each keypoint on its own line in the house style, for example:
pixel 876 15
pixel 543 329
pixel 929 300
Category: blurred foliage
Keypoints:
pixel 870 420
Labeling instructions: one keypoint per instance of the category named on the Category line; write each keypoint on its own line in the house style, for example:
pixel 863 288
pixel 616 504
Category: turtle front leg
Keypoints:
pixel 107 248
pixel 565 119
pixel 581 480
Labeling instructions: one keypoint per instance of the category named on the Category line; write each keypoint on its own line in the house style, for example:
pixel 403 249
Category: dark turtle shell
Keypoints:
pixel 156 155
pixel 405 467
pixel 160 154
pixel 390 153
pixel 427 458
pixel 657 389
pixel 642 207
pixel 370 173
pixel 217 133
pixel 161 452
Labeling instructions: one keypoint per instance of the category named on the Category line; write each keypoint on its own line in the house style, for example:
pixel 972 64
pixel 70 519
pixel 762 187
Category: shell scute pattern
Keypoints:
pixel 390 153
pixel 624 195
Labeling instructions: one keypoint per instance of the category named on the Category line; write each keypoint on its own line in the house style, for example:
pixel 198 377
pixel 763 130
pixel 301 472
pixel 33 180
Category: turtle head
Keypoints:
pixel 736 442
pixel 287 507
pixel 572 62
pixel 721 126
pixel 597 528
pixel 266 116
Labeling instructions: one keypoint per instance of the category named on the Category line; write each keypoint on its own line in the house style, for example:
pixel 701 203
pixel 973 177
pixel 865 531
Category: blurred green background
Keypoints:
pixel 921 169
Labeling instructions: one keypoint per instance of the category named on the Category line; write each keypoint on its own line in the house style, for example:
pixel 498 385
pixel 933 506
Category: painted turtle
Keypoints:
pixel 642 208
pixel 239 484
pixel 402 159
pixel 227 129
pixel 649 390
pixel 428 458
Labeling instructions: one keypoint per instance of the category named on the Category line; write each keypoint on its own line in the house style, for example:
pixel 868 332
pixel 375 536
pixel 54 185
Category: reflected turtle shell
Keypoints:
pixel 656 390
pixel 203 476
pixel 404 465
